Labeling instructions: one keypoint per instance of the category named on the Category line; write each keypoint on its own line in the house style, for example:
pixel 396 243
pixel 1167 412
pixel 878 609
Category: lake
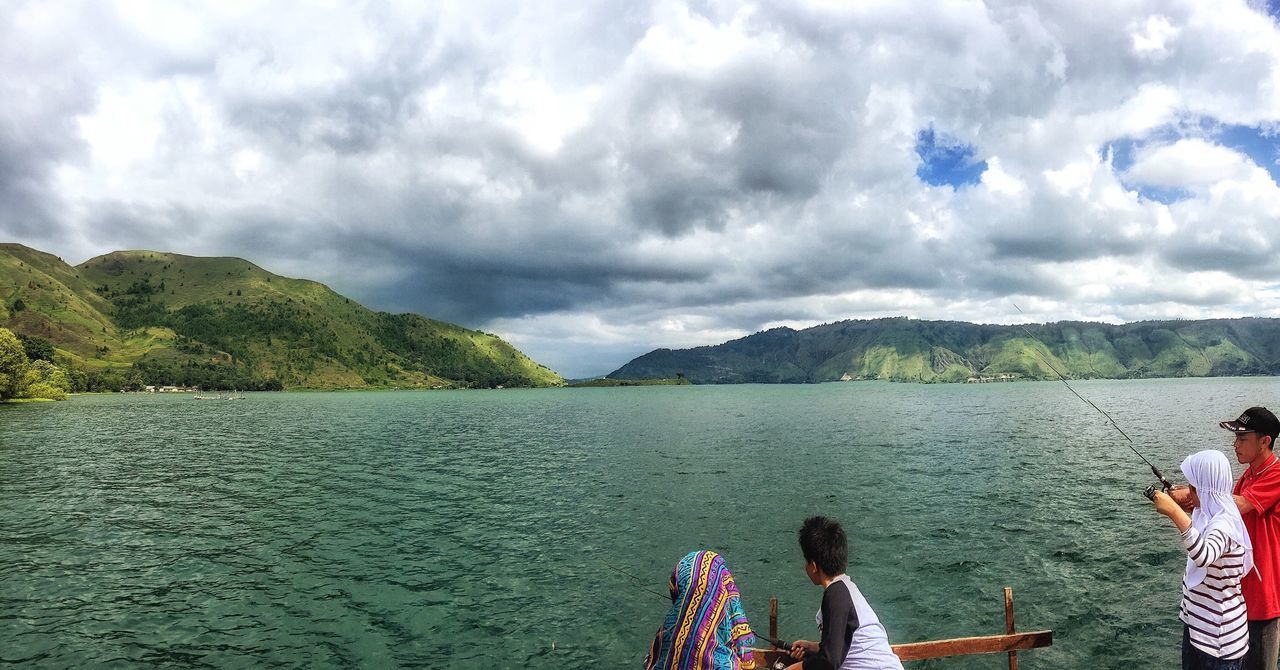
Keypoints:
pixel 479 529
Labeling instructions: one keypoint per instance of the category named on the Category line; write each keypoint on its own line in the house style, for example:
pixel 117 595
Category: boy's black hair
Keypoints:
pixel 823 541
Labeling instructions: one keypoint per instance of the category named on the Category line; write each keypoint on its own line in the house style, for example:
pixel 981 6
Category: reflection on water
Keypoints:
pixel 476 529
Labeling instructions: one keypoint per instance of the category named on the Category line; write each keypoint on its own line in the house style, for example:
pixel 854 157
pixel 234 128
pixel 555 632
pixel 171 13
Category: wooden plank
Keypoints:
pixel 919 651
pixel 1008 624
pixel 988 644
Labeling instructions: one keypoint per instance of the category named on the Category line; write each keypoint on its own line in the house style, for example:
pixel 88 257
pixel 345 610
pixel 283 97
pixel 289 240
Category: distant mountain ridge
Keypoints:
pixel 903 349
pixel 221 322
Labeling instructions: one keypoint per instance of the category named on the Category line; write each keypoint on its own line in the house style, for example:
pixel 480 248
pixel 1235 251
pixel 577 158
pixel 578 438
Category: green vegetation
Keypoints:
pixel 13 365
pixel 46 380
pixel 131 318
pixel 901 349
pixel 25 374
pixel 605 381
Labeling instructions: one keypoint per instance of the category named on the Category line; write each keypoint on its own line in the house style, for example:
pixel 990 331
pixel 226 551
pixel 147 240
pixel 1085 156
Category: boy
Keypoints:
pixel 852 637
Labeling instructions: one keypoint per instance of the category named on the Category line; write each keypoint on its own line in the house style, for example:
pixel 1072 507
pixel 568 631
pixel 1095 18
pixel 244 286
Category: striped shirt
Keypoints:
pixel 1214 609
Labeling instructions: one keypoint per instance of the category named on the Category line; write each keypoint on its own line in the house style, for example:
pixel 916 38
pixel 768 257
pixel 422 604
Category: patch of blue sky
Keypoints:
pixel 1273 8
pixel 1260 143
pixel 944 160
pixel 1122 152
pixel 1162 194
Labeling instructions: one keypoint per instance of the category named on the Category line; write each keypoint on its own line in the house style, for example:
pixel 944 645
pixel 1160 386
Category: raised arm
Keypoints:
pixel 1207 548
pixel 1170 508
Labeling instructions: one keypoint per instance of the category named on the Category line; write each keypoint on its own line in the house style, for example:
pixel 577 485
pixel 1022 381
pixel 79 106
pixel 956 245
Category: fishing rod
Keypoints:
pixel 780 644
pixel 1164 483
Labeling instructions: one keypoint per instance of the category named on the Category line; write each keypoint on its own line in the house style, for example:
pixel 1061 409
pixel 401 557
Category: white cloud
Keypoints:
pixel 1189 163
pixel 125 128
pixel 597 180
pixel 999 181
pixel 1153 39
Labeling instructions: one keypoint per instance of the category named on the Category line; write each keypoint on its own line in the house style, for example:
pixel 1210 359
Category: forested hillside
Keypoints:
pixel 133 317
pixel 902 349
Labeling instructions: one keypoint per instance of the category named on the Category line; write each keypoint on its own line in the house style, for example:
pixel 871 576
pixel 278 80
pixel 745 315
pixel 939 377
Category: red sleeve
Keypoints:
pixel 1264 493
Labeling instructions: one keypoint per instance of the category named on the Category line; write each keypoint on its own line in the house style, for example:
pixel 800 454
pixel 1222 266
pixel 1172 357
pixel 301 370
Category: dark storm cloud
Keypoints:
pixel 141 226
pixel 1057 229
pixel 1202 298
pixel 474 293
pixel 1241 257
pixel 767 127
pixel 793 124
pixel 1056 245
pixel 472 284
pixel 998 278
pixel 37 134
pixel 30 209
pixel 361 111
pixel 476 289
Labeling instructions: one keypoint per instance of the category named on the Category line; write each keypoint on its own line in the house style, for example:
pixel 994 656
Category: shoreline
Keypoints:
pixel 649 382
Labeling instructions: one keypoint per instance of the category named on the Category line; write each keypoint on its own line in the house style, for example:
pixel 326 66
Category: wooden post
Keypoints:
pixel 1008 624
pixel 773 618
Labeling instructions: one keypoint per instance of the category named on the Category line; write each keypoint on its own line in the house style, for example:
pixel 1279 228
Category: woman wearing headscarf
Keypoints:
pixel 705 628
pixel 1215 635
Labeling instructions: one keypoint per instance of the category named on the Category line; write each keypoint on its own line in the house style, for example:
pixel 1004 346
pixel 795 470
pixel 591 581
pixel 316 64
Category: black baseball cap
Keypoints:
pixel 1258 420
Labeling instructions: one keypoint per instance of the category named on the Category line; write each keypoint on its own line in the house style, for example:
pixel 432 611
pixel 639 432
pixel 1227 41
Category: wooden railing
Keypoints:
pixel 1011 642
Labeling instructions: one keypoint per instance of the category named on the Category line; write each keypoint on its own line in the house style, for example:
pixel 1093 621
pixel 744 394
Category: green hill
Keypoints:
pixel 901 349
pixel 163 318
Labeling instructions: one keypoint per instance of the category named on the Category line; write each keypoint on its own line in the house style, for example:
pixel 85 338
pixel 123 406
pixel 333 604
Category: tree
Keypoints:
pixel 13 365
pixel 46 380
pixel 37 348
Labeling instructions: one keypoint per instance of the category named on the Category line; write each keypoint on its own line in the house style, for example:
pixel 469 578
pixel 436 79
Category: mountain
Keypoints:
pixel 219 322
pixel 902 349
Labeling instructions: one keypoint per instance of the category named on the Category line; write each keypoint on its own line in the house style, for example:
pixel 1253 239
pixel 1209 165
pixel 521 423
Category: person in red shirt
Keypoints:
pixel 1256 494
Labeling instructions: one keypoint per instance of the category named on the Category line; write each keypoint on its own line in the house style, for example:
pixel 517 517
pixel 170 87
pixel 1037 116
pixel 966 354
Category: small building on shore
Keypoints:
pixel 170 389
pixel 1002 377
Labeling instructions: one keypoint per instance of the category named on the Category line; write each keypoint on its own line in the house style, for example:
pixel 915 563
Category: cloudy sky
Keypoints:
pixel 594 180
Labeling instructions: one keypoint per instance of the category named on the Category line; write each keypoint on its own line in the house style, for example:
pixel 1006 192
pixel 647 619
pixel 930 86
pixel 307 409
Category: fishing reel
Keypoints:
pixel 784 660
pixel 1150 492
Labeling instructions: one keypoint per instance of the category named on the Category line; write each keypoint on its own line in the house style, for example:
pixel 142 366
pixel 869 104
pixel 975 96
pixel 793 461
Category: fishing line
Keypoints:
pixel 1110 421
pixel 640 582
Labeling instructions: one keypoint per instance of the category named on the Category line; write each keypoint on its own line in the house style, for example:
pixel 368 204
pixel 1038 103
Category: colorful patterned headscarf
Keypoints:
pixel 706 628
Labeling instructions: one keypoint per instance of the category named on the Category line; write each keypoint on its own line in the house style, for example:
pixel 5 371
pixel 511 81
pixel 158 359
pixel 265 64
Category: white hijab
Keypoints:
pixel 1210 472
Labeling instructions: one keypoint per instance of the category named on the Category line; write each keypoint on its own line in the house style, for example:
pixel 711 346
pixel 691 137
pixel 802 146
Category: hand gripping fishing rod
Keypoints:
pixel 1164 483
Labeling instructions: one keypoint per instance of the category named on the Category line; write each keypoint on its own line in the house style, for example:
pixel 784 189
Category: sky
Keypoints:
pixel 593 180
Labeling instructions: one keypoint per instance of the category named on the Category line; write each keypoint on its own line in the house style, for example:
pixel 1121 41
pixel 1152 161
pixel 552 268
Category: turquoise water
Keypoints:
pixel 475 529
